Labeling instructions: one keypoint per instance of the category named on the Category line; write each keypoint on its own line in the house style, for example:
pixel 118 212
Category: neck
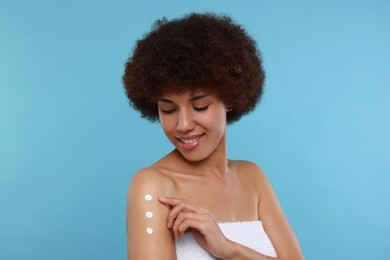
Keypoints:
pixel 216 164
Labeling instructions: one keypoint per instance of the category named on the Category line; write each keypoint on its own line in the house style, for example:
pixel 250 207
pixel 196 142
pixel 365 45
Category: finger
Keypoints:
pixel 170 201
pixel 173 202
pixel 180 205
pixel 185 220
pixel 176 226
pixel 191 222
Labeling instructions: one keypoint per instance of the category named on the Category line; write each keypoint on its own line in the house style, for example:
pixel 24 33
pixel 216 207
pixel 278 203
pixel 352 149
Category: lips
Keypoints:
pixel 190 142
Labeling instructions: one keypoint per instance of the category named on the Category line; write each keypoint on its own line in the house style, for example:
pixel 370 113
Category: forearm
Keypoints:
pixel 240 252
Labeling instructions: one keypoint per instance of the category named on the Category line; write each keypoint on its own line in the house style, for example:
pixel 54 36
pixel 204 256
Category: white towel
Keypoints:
pixel 250 234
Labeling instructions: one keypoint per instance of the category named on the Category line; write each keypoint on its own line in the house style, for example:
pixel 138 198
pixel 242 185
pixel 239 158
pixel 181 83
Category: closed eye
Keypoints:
pixel 168 111
pixel 201 108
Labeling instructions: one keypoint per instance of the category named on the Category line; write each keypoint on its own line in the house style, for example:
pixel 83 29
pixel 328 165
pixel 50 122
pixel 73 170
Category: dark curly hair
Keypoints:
pixel 196 52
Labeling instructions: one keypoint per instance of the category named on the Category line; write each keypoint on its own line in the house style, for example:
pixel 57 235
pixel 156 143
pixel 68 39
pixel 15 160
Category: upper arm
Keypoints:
pixel 274 221
pixel 148 236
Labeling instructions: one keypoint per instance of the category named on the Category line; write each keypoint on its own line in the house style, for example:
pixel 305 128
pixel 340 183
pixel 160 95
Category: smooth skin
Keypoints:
pixel 195 187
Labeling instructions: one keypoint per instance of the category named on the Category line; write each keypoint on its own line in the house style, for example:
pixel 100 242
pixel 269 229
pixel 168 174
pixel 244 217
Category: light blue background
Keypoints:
pixel 69 142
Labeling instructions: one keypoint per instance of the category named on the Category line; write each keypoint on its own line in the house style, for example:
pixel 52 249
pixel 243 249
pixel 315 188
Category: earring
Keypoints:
pixel 229 108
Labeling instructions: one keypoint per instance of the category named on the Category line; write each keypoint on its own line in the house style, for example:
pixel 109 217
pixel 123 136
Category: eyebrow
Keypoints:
pixel 191 99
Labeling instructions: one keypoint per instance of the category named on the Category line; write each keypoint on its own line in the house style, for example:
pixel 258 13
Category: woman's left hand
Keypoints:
pixel 186 215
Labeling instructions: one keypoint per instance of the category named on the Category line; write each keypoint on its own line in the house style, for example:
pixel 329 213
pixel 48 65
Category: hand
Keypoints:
pixel 186 215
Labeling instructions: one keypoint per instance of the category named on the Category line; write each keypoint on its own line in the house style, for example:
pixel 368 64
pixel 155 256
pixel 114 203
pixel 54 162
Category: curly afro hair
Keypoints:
pixel 196 52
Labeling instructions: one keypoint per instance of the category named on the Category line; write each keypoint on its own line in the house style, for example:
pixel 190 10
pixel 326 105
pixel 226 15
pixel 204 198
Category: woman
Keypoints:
pixel 195 75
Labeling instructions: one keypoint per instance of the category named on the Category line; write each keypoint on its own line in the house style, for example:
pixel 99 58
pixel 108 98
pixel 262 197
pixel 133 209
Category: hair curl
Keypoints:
pixel 196 52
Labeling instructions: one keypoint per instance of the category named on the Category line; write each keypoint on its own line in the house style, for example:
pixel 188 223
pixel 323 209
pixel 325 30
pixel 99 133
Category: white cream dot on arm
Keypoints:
pixel 148 237
pixel 148 214
pixel 148 197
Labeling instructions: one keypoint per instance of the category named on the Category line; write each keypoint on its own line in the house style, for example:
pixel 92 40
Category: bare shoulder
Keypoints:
pixel 271 214
pixel 253 174
pixel 149 180
pixel 146 186
pixel 147 232
pixel 247 166
pixel 250 170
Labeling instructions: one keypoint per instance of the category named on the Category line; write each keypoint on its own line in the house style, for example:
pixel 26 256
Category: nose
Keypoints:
pixel 185 121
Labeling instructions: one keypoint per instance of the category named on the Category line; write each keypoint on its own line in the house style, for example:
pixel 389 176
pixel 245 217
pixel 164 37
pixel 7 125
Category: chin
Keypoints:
pixel 193 156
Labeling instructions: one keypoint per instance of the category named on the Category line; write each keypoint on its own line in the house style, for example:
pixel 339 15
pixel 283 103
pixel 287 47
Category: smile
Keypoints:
pixel 190 142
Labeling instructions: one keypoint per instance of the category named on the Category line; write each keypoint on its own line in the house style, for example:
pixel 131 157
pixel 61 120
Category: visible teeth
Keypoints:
pixel 188 141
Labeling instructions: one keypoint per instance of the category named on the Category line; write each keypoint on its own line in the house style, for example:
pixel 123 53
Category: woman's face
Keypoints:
pixel 195 123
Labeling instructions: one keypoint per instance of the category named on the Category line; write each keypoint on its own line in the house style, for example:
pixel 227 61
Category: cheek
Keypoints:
pixel 218 121
pixel 221 126
pixel 161 119
pixel 168 125
pixel 222 117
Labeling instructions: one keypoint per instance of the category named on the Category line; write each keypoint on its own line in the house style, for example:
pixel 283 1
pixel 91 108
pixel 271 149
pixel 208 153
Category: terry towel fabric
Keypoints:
pixel 250 234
